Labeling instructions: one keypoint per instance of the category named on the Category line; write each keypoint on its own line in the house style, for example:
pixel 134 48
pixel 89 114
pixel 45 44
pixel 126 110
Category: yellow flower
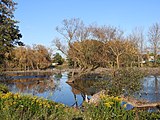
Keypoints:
pixel 48 106
pixel 40 104
pixel 107 104
pixel 111 103
pixel 37 101
pixel 117 99
pixel 14 102
pixel 7 95
pixel 124 105
pixel 16 96
pixel 102 96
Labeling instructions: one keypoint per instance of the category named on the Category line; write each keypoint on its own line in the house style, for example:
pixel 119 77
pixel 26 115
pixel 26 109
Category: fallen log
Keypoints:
pixel 140 104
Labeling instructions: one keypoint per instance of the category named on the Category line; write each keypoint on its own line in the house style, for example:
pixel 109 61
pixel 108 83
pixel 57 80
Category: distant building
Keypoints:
pixel 54 64
pixel 151 59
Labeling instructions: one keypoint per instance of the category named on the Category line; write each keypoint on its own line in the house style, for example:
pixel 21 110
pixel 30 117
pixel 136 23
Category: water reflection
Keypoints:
pixel 150 89
pixel 54 87
pixel 31 85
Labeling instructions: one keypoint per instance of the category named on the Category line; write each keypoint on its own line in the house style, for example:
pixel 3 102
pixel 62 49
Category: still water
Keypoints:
pixel 54 87
pixel 150 90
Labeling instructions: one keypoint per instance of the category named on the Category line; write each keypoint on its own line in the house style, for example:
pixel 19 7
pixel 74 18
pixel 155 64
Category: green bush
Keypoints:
pixel 122 81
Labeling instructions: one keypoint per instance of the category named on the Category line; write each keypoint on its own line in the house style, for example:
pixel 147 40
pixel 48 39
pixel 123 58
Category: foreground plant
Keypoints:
pixel 16 106
pixel 108 108
pixel 20 107
pixel 111 108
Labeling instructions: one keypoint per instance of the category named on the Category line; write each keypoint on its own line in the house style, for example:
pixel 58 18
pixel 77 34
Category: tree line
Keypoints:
pixel 28 58
pixel 92 46
pixel 88 46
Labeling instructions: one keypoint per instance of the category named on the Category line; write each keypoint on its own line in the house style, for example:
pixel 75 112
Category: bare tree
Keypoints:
pixel 71 30
pixel 106 33
pixel 154 39
pixel 60 46
pixel 137 37
pixel 118 49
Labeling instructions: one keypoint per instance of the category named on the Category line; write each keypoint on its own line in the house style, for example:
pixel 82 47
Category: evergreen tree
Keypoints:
pixel 9 31
pixel 58 59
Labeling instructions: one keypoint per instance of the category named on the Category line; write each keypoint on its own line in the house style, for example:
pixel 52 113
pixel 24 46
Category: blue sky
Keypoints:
pixel 39 18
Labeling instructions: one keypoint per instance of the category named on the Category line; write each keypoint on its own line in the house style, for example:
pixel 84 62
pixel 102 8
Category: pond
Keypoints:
pixel 54 87
pixel 49 86
pixel 150 90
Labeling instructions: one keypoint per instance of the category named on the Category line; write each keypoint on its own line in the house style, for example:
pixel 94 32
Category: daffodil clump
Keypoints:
pixel 27 107
pixel 111 101
pixel 109 107
pixel 9 99
pixel 17 106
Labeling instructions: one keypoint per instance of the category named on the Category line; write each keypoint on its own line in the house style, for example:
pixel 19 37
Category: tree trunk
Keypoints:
pixel 155 59
pixel 117 60
pixel 74 67
pixel 138 61
pixel 25 66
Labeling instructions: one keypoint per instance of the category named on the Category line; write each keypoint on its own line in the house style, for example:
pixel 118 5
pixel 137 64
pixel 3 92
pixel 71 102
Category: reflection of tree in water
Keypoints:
pixel 156 84
pixel 76 91
pixel 125 81
pixel 57 78
pixel 84 86
pixel 156 88
pixel 150 89
pixel 36 85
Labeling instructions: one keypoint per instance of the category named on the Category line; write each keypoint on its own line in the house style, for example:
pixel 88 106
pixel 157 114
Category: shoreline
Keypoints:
pixel 146 70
